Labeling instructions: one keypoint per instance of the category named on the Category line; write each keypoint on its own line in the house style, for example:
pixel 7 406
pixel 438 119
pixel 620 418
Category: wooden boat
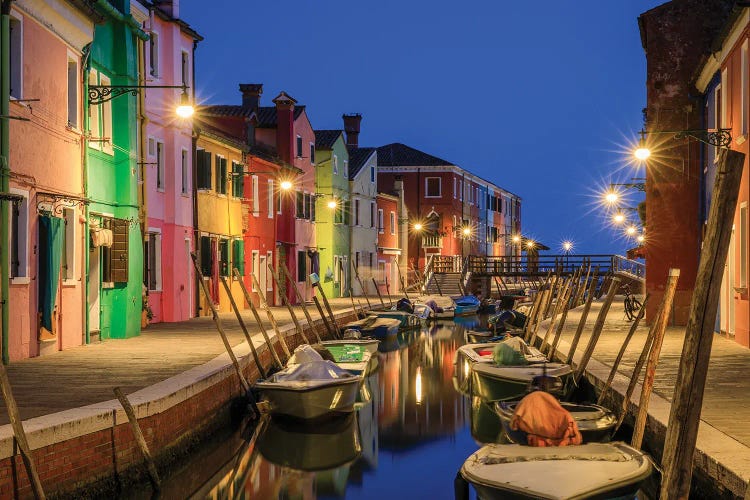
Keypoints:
pixel 424 312
pixel 370 344
pixel 311 389
pixel 482 352
pixel 407 320
pixel 594 470
pixel 483 336
pixel 442 306
pixel 595 423
pixel 357 359
pixel 326 445
pixel 466 305
pixel 375 327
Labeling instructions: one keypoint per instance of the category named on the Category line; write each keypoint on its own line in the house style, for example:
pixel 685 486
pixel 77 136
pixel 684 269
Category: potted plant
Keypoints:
pixel 146 313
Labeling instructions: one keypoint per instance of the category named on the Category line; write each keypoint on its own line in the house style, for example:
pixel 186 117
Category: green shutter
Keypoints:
pixel 238 256
pixel 119 252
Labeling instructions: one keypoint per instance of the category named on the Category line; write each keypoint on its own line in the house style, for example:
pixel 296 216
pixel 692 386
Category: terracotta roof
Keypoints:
pixel 358 158
pixel 400 155
pixel 266 115
pixel 325 139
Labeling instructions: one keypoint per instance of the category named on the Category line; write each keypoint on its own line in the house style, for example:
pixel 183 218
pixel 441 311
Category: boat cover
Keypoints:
pixel 512 351
pixel 309 366
pixel 467 300
pixel 597 452
pixel 545 421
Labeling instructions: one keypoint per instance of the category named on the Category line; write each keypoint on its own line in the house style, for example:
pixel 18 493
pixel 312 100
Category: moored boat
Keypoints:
pixel 595 423
pixel 424 312
pixel 312 389
pixel 505 382
pixel 370 344
pixel 407 320
pixel 594 470
pixel 442 306
pixel 466 305
pixel 357 359
pixel 373 326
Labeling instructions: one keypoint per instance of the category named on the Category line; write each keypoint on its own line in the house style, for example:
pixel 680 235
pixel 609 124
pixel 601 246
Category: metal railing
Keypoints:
pixel 634 268
pixel 537 265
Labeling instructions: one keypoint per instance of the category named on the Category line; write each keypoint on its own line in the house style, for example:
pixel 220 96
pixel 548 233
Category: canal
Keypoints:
pixel 409 438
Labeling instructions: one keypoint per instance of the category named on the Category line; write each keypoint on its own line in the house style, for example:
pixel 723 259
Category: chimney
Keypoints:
pixel 251 95
pixel 170 7
pixel 351 127
pixel 285 140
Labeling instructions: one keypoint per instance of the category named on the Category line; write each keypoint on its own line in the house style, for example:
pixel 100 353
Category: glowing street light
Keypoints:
pixel 332 204
pixel 185 109
pixel 611 197
pixel 286 185
pixel 618 218
pixel 631 230
pixel 417 226
pixel 641 238
pixel 467 231
pixel 530 244
pixel 567 246
pixel 516 239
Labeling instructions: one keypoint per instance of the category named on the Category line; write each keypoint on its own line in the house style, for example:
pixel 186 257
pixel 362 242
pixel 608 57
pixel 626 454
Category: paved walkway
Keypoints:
pixel 86 375
pixel 727 396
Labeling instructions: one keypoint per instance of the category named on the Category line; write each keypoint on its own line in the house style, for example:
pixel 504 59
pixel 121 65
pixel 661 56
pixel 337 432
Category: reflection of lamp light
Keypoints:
pixel 286 185
pixel 418 385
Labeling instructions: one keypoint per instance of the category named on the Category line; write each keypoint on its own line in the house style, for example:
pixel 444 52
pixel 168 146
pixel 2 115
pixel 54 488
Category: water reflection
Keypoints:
pixel 411 411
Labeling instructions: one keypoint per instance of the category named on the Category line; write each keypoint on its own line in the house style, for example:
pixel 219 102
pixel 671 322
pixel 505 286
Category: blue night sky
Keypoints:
pixel 540 98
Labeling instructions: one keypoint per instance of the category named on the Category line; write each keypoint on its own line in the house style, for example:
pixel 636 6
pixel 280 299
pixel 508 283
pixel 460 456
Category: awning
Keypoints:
pixel 101 237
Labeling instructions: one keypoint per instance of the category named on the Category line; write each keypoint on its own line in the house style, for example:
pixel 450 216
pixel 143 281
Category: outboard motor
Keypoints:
pixel 405 305
pixel 352 334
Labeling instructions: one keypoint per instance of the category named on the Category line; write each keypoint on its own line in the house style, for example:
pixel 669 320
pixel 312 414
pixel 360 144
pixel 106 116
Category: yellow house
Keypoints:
pixel 220 178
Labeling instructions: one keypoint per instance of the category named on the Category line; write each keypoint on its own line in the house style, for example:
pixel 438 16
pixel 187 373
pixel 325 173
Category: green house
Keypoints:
pixel 114 262
pixel 332 211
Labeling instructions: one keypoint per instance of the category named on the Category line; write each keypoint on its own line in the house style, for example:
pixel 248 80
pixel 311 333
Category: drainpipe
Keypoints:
pixel 4 169
pixel 194 171
pixel 86 66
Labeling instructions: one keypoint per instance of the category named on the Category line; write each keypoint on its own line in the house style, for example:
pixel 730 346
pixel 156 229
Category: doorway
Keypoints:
pixel 95 293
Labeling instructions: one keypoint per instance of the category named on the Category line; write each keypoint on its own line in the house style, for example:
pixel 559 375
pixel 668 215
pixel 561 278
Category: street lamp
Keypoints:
pixel 631 230
pixel 618 218
pixel 332 204
pixel 99 94
pixel 720 137
pixel 417 226
pixel 467 231
pixel 567 246
pixel 286 185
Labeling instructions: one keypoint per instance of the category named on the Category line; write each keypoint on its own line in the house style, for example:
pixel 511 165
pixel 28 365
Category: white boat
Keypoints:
pixel 370 344
pixel 311 389
pixel 424 312
pixel 445 306
pixel 483 352
pixel 595 470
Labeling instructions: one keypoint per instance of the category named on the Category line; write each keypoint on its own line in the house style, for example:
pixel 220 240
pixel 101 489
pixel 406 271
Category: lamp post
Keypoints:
pixel 99 94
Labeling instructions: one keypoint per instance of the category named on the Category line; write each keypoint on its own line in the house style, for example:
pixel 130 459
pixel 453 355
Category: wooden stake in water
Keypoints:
pixel 249 339
pixel 219 326
pixel 289 308
pixel 153 474
pixel 258 321
pixel 361 285
pixel 336 334
pixel 271 318
pixel 288 276
pixel 597 331
pixel 375 284
pixel 660 328
pixel 584 316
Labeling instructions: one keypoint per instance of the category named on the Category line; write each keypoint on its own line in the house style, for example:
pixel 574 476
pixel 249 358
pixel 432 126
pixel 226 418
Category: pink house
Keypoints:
pixel 166 164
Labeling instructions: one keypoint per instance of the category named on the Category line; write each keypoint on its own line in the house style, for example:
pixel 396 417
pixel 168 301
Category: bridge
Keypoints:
pixel 454 274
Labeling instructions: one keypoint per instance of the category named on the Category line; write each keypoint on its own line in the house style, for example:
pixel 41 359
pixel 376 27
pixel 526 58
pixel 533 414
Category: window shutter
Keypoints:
pixel 206 264
pixel 120 251
pixel 238 256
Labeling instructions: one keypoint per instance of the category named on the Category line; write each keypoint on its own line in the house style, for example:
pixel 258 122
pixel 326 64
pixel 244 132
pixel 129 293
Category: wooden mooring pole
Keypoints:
pixel 289 308
pixel 584 317
pixel 336 331
pixel 249 339
pixel 264 304
pixel 597 331
pixel 153 474
pixel 660 327
pixel 685 412
pixel 288 276
pixel 361 285
pixel 20 435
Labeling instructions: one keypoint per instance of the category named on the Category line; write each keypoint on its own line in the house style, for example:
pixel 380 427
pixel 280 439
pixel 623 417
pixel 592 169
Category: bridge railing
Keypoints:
pixel 629 266
pixel 537 265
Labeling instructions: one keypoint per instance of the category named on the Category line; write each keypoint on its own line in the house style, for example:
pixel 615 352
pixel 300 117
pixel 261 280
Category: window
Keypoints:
pixel 372 174
pixel 381 224
pixel 152 261
pixel 153 55
pixel 224 256
pixel 356 212
pixel 238 256
pixel 308 211
pixel 299 146
pixel 432 187
pixel 393 222
pixel 256 196
pixel 72 92
pixel 221 175
pixel 346 168
pixel 100 117
pixel 312 152
pixel 117 265
pixel 160 165
pixel 347 211
pixel 238 180
pixel 301 265
pixel 372 214
pixel 744 88
pixel 203 169
pixel 300 205
pixel 185 73
pixel 16 57
pixel 184 169
pixel 461 189
pixel 279 199
pixel 19 236
pixel 381 270
pixel 269 276
pixel 454 188
pixel 270 198
pixel 336 269
pixel 335 164
pixel 724 93
pixel 356 261
pixel 312 208
pixel 743 245
pixel 372 261
pixel 206 257
pixel 151 147
pixel 69 245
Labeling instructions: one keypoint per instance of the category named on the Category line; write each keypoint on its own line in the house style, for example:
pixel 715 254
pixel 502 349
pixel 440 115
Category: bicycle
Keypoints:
pixel 632 304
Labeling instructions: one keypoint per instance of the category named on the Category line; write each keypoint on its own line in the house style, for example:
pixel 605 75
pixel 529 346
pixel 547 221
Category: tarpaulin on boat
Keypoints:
pixel 545 421
pixel 511 351
pixel 311 366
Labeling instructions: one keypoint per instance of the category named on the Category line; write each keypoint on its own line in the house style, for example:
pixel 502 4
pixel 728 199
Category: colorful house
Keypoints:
pixel 166 164
pixel 331 200
pixel 724 82
pixel 47 239
pixel 220 173
pixel 114 259
pixel 387 273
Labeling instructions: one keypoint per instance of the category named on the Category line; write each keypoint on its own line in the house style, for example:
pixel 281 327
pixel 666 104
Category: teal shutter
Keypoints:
pixel 238 256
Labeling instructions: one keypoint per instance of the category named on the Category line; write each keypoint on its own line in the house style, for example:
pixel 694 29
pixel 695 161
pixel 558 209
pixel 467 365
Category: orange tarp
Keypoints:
pixel 545 421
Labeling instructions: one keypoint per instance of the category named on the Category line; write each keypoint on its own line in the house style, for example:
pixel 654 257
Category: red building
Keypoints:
pixel 389 250
pixel 450 210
